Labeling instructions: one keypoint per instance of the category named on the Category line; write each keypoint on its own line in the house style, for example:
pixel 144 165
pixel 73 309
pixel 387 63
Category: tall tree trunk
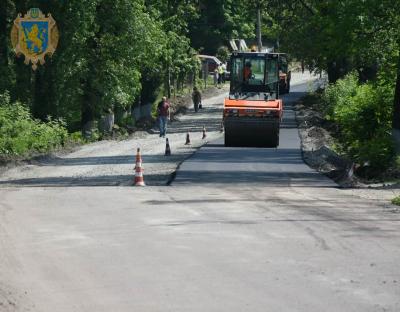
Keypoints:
pixel 87 111
pixel 6 13
pixel 336 70
pixel 3 34
pixel 169 82
pixel 259 40
pixel 396 103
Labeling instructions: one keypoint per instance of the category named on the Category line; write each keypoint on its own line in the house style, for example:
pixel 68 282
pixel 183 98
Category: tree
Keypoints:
pixel 7 11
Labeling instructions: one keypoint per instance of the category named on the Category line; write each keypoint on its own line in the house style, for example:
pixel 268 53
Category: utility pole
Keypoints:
pixel 259 41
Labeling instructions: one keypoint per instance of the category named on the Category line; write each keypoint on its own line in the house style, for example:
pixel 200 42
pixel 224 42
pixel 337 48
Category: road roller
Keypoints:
pixel 253 111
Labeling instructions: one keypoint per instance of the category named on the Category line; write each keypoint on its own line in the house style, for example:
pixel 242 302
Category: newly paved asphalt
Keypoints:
pixel 282 166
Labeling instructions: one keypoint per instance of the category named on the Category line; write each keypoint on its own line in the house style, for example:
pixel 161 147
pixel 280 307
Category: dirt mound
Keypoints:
pixel 317 147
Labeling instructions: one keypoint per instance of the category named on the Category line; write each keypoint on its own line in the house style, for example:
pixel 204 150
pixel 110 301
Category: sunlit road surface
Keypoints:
pixel 239 230
pixel 282 166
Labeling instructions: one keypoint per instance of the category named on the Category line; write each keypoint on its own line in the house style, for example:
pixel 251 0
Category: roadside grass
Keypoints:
pixel 396 200
pixel 22 135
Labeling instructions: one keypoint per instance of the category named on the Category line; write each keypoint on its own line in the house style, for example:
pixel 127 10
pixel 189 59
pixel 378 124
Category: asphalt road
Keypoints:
pixel 238 230
pixel 282 166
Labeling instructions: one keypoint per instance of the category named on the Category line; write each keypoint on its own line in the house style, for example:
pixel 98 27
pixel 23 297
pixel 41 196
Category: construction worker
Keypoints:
pixel 220 73
pixel 224 72
pixel 216 76
pixel 247 72
pixel 196 97
pixel 163 112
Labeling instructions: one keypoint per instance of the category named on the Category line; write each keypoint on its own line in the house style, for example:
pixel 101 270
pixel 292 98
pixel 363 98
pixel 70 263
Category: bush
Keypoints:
pixel 338 94
pixel 21 135
pixel 396 201
pixel 223 53
pixel 363 115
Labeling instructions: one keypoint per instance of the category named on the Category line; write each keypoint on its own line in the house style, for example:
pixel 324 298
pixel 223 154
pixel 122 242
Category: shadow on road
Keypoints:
pixel 216 153
pixel 107 160
pixel 105 180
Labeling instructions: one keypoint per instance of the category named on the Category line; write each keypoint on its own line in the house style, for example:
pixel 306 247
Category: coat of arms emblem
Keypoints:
pixel 34 36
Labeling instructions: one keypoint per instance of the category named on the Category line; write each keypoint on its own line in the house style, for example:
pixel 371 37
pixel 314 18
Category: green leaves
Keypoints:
pixel 363 114
pixel 338 36
pixel 21 135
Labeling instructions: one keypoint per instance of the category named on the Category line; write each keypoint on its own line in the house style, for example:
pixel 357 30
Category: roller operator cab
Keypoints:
pixel 253 110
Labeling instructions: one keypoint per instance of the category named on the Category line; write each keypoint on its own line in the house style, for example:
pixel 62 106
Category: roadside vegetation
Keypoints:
pixel 396 201
pixel 357 43
pixel 363 115
pixel 358 117
pixel 112 57
pixel 22 136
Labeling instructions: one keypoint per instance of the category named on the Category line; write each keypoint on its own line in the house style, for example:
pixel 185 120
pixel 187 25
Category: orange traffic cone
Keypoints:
pixel 139 170
pixel 187 138
pixel 204 132
pixel 167 148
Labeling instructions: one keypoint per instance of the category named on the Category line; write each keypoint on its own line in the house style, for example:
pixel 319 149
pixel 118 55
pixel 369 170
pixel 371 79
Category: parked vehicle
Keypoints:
pixel 212 62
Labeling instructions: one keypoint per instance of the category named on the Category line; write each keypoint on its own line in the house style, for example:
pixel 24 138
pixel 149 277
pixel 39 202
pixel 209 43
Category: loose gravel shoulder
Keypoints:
pixel 110 163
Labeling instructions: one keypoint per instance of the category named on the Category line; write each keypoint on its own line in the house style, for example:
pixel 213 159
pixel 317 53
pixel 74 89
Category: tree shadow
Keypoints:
pixel 94 181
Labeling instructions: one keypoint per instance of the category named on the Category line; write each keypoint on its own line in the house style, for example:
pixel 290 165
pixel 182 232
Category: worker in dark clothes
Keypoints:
pixel 163 112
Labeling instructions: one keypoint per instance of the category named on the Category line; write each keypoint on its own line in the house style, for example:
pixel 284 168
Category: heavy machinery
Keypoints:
pixel 253 111
pixel 284 73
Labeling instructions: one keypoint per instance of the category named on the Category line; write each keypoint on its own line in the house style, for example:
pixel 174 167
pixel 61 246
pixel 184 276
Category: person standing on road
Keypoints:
pixel 224 72
pixel 196 97
pixel 163 113
pixel 220 74
pixel 216 76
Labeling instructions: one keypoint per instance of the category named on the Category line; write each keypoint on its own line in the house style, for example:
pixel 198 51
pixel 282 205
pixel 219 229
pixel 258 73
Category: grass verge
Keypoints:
pixel 396 201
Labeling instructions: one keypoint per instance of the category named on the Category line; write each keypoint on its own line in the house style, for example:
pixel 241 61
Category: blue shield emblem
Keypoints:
pixel 35 36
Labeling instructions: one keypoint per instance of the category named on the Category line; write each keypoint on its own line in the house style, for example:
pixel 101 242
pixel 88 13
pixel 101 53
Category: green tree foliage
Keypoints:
pixel 364 119
pixel 339 36
pixel 22 135
pixel 219 21
pixel 342 36
pixel 111 55
pixel 6 71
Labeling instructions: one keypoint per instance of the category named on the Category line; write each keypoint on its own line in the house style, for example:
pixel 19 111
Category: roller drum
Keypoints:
pixel 251 132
